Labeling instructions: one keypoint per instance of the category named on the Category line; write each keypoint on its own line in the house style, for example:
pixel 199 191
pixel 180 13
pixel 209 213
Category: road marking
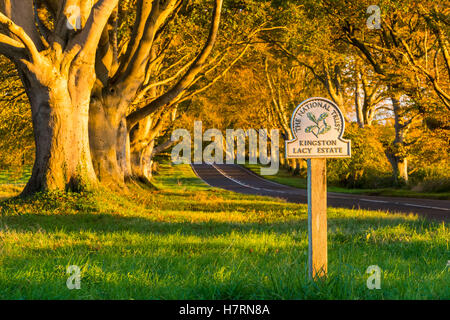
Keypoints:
pixel 293 191
pixel 232 179
pixel 393 202
pixel 427 207
pixel 379 201
pixel 266 180
pixel 249 186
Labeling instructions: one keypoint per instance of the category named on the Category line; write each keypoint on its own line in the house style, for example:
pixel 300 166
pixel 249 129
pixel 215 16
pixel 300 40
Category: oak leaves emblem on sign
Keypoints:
pixel 320 127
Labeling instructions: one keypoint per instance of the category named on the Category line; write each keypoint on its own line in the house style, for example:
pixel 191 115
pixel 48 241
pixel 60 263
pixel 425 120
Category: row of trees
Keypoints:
pixel 104 78
pixel 392 83
pixel 108 79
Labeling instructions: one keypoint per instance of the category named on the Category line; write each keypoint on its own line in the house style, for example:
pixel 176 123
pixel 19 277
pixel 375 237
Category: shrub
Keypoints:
pixel 431 179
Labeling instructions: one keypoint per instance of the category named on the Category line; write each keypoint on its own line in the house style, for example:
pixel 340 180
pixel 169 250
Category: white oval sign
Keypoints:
pixel 318 126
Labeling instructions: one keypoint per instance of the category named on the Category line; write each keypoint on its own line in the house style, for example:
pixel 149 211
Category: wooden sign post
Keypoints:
pixel 317 125
pixel 317 218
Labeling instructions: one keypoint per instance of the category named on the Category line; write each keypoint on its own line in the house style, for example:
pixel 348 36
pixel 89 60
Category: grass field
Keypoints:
pixel 186 240
pixel 16 177
pixel 286 178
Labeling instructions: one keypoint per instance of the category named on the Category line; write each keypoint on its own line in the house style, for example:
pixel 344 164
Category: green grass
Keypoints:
pixel 16 177
pixel 285 177
pixel 187 240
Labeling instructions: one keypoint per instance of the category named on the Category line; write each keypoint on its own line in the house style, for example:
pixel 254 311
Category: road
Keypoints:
pixel 239 179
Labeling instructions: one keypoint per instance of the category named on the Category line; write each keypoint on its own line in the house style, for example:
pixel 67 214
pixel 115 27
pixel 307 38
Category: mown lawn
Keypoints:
pixel 286 178
pixel 187 240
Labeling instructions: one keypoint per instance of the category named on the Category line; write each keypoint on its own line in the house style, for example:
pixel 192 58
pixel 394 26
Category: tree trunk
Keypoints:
pixel 282 160
pixel 359 111
pixel 108 143
pixel 123 150
pixel 399 168
pixel 124 81
pixel 396 154
pixel 142 143
pixel 297 167
pixel 141 163
pixel 58 73
pixel 403 170
pixel 63 160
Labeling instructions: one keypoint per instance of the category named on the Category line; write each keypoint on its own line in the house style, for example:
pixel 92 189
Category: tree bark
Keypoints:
pixel 141 163
pixel 108 138
pixel 358 104
pixel 403 170
pixel 60 123
pixel 142 146
pixel 399 168
pixel 58 75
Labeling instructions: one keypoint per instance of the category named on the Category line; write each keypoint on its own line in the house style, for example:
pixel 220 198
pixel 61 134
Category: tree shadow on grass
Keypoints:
pixel 110 223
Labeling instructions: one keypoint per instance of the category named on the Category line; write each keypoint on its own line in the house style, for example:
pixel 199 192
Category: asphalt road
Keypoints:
pixel 239 179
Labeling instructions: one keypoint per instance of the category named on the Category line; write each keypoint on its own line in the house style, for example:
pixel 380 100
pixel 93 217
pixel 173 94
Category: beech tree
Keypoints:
pixel 108 79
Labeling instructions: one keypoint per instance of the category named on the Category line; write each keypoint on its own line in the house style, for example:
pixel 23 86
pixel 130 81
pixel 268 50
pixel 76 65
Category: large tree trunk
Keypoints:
pixel 58 74
pixel 123 82
pixel 107 143
pixel 60 122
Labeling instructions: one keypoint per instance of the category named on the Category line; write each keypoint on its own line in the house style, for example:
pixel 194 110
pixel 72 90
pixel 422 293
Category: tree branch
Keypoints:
pixel 89 37
pixel 217 78
pixel 12 49
pixel 190 75
pixel 134 72
pixel 21 35
pixel 162 147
